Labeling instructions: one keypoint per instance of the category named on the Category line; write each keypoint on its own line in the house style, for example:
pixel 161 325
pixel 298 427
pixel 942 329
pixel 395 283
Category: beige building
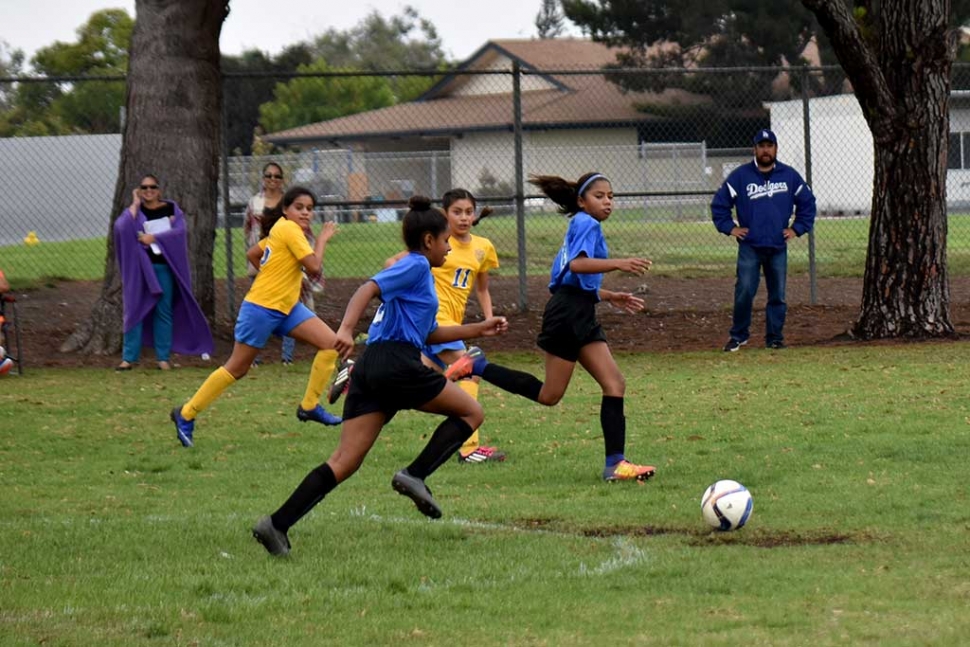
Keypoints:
pixel 460 132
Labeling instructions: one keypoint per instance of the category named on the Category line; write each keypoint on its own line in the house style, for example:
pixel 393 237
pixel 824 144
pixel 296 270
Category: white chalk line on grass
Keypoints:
pixel 625 554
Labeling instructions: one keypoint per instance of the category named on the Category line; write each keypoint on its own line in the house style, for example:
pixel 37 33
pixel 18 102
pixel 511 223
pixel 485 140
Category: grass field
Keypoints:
pixel 684 245
pixel 856 458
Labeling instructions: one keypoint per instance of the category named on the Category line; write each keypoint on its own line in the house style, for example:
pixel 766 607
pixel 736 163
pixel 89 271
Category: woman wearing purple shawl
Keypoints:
pixel 155 280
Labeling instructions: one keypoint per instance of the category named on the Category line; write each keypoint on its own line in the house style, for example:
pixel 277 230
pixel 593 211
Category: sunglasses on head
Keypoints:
pixel 146 187
pixel 272 176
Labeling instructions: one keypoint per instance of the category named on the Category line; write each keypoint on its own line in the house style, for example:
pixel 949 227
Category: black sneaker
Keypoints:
pixel 274 541
pixel 342 382
pixel 734 345
pixel 777 345
pixel 414 488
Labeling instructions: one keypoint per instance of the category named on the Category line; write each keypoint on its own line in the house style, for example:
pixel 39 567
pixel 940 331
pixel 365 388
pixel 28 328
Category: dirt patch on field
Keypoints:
pixel 681 315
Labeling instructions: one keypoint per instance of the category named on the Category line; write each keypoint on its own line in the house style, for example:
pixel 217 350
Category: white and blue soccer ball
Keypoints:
pixel 727 505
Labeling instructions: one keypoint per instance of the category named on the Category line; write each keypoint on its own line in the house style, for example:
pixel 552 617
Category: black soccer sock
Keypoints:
pixel 445 441
pixel 317 484
pixel 517 382
pixel 614 424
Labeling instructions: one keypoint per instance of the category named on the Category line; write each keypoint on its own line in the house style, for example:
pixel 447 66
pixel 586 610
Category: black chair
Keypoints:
pixel 8 325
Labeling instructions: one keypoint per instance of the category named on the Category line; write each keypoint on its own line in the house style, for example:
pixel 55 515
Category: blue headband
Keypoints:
pixel 592 178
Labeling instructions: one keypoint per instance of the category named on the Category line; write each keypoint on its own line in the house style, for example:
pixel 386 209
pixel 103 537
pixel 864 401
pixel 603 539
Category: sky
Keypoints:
pixel 270 25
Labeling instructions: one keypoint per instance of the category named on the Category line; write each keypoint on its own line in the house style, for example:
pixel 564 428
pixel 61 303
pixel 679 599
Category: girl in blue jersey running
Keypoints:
pixel 389 377
pixel 570 332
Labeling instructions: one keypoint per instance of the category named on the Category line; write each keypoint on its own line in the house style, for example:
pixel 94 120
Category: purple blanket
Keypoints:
pixel 140 288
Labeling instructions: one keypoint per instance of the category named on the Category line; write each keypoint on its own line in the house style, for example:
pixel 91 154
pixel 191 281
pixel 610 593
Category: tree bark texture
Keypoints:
pixel 899 62
pixel 172 131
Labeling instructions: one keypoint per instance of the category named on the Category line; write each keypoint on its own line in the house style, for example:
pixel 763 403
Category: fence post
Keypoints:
pixel 226 225
pixel 519 183
pixel 807 134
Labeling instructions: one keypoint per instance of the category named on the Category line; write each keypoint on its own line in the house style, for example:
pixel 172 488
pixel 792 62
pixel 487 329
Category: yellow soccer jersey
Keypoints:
pixel 277 285
pixel 454 280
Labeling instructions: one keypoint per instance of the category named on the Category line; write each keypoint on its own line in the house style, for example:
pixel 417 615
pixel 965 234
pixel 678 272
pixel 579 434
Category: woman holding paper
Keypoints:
pixel 150 244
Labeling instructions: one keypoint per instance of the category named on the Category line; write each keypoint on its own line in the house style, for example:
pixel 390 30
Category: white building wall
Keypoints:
pixel 572 153
pixel 85 170
pixel 842 150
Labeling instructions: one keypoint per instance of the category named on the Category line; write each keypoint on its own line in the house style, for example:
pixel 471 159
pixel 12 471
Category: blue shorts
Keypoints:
pixel 255 323
pixel 431 350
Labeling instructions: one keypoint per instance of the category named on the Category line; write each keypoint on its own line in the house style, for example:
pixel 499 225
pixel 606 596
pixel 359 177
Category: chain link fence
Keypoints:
pixel 666 139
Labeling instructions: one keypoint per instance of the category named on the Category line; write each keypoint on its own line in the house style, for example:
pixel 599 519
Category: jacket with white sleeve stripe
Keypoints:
pixel 764 203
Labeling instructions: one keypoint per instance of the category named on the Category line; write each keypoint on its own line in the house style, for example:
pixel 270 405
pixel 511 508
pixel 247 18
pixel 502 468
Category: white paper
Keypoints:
pixel 157 226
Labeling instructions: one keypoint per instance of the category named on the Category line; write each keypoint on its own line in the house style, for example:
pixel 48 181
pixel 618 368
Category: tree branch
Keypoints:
pixel 860 62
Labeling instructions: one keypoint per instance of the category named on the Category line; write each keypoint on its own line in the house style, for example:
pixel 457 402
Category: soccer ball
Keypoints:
pixel 726 505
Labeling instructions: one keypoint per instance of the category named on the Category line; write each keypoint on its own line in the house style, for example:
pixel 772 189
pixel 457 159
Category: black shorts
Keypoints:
pixel 388 377
pixel 569 323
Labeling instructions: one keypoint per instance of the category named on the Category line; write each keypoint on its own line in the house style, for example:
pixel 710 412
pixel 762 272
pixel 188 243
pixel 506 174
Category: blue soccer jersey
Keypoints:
pixel 409 303
pixel 584 236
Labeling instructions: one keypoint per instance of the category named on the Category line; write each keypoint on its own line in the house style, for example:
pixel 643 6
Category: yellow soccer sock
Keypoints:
pixel 471 443
pixel 320 373
pixel 217 382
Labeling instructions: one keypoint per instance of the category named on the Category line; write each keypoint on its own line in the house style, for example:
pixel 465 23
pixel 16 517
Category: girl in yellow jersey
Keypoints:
pixel 272 307
pixel 465 269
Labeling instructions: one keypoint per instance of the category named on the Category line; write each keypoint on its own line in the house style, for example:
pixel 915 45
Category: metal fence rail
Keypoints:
pixel 666 145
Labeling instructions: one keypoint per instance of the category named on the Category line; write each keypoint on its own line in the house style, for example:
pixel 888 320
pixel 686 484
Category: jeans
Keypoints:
pixel 288 345
pixel 751 262
pixel 161 317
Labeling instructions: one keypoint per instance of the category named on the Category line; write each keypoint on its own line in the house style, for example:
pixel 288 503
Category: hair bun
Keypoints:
pixel 419 203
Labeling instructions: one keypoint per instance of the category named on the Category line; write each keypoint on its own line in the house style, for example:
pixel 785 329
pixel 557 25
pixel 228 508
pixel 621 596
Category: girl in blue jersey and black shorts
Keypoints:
pixel 570 332
pixel 389 377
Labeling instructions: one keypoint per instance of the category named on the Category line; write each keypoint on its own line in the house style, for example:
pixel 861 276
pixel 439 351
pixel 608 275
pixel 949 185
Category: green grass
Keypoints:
pixel 856 457
pixel 682 244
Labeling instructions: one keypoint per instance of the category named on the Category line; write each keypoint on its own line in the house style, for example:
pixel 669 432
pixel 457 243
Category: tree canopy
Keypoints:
pixel 400 42
pixel 660 34
pixel 66 108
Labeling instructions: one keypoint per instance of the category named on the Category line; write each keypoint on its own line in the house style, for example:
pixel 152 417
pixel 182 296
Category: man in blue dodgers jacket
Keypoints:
pixel 764 193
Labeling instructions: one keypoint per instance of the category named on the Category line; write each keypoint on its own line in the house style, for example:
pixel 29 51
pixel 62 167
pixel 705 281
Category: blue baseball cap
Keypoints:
pixel 765 135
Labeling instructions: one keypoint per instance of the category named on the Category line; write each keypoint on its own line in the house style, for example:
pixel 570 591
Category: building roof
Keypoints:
pixel 461 103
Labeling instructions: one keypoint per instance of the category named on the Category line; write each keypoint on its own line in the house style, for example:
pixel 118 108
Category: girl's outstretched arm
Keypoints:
pixel 355 308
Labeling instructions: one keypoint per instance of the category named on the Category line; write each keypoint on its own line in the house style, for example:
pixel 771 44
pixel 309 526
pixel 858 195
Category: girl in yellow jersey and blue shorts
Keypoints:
pixel 272 307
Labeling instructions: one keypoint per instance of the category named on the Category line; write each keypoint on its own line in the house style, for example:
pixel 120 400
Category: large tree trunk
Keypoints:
pixel 172 130
pixel 906 290
pixel 899 60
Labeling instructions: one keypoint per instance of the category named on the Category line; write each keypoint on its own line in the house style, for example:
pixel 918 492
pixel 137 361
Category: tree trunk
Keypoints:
pixel 899 61
pixel 172 130
pixel 906 290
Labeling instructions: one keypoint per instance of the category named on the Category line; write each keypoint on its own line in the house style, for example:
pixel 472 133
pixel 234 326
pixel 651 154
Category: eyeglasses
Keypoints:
pixel 272 176
pixel 148 187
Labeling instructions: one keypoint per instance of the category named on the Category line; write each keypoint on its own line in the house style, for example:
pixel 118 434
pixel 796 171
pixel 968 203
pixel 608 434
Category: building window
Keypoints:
pixel 958 153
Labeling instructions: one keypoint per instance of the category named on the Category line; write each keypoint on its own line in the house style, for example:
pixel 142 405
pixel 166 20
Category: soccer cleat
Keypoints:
pixel 415 489
pixel 734 345
pixel 777 345
pixel 274 541
pixel 318 414
pixel 627 471
pixel 481 455
pixel 472 362
pixel 183 428
pixel 342 382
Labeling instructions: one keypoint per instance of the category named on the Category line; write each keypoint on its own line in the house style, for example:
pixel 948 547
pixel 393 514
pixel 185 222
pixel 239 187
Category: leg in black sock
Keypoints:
pixel 317 484
pixel 445 441
pixel 517 382
pixel 614 424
